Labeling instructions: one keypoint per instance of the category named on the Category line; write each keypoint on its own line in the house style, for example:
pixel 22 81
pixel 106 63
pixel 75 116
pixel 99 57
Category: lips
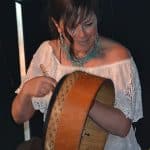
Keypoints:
pixel 82 42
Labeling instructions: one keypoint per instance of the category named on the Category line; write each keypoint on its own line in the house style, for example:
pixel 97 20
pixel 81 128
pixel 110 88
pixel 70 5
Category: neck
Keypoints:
pixel 80 54
pixel 79 58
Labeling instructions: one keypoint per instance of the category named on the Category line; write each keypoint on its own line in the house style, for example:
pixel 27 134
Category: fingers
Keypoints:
pixel 48 84
pixel 41 85
pixel 52 81
pixel 45 89
pixel 48 87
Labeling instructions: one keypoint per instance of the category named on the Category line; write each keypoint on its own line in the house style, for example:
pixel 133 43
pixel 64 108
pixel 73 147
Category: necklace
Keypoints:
pixel 94 52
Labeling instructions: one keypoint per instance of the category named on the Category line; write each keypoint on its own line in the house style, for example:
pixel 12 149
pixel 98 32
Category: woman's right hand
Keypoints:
pixel 39 86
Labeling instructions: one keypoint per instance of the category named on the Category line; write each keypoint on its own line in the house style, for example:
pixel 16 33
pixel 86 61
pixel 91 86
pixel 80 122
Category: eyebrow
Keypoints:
pixel 89 18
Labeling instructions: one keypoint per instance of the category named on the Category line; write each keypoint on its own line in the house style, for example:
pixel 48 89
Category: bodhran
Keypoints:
pixel 68 125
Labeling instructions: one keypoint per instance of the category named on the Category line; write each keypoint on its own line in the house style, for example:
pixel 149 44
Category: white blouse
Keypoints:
pixel 126 83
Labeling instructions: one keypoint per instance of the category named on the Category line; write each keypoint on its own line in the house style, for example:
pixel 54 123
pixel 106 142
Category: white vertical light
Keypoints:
pixel 21 57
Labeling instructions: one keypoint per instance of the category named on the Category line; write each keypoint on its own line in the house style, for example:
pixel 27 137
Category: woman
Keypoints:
pixel 77 46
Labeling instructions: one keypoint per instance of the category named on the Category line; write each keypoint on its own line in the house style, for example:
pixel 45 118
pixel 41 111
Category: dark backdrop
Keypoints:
pixel 124 21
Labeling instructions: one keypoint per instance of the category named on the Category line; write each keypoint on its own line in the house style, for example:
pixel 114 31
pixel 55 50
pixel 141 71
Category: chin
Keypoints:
pixel 82 47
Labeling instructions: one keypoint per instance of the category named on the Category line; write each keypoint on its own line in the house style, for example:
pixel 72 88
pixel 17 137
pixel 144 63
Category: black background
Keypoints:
pixel 124 21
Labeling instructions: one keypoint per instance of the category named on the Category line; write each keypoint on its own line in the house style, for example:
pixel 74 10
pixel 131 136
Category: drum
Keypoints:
pixel 68 125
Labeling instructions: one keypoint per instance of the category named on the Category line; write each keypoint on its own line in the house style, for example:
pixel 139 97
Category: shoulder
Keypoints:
pixel 114 51
pixel 45 44
pixel 44 50
pixel 45 47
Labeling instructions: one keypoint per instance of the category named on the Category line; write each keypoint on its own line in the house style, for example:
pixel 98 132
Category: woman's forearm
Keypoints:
pixel 22 109
pixel 111 119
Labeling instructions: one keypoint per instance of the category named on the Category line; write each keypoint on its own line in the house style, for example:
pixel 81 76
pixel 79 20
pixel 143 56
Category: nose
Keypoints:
pixel 80 32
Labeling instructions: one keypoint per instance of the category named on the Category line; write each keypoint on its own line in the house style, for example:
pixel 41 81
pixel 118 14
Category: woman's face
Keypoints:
pixel 84 34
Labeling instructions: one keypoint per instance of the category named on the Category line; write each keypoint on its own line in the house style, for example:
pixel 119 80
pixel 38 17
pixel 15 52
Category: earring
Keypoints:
pixel 63 45
pixel 61 38
pixel 96 38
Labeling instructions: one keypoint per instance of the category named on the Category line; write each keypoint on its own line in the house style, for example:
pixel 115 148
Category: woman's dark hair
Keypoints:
pixel 69 11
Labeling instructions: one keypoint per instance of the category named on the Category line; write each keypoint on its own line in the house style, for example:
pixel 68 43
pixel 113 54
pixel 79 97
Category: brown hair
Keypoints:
pixel 71 11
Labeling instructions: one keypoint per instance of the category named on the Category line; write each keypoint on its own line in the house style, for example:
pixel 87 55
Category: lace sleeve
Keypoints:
pixel 128 91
